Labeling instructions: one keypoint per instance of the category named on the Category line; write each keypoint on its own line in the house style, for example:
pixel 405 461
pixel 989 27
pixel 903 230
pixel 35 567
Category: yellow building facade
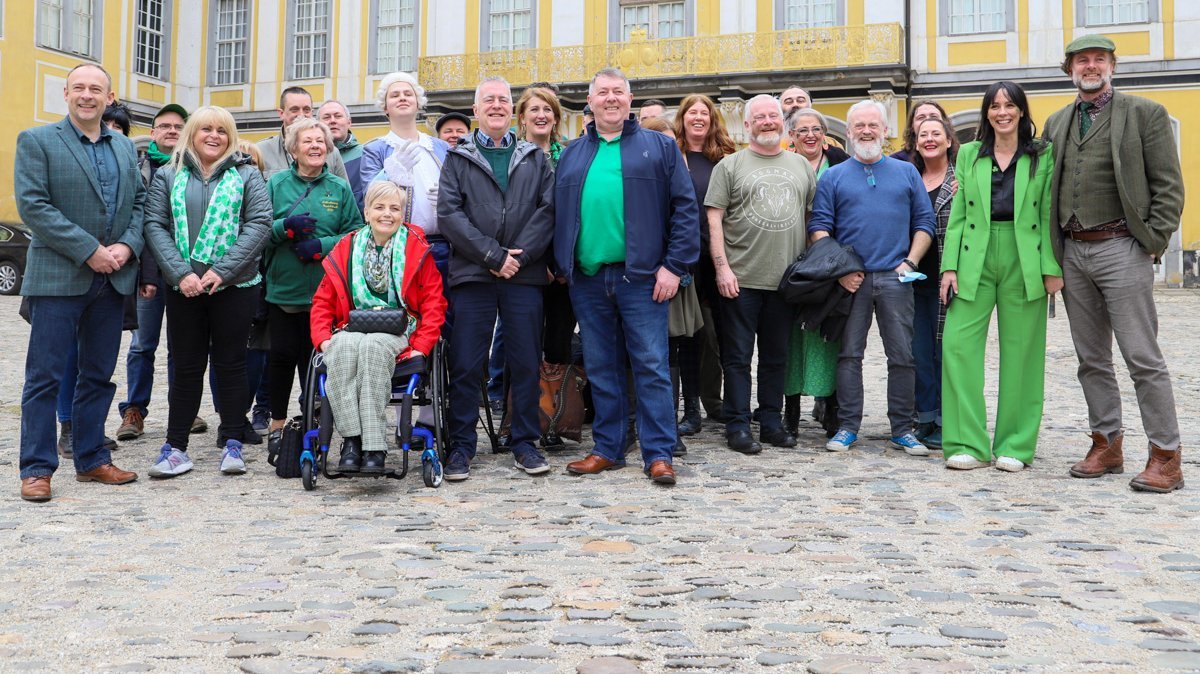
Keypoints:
pixel 240 53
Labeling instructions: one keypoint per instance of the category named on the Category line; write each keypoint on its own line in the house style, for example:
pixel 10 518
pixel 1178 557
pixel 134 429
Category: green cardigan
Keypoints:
pixel 969 229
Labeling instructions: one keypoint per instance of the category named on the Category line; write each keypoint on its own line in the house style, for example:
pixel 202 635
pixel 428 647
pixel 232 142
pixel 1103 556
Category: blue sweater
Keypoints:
pixel 878 222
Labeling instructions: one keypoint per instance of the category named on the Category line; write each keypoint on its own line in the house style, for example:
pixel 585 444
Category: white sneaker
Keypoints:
pixel 171 462
pixel 231 459
pixel 1009 464
pixel 965 462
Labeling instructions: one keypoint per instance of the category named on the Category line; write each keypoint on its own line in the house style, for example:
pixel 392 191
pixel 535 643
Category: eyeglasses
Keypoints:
pixel 804 131
pixel 169 127
pixel 870 175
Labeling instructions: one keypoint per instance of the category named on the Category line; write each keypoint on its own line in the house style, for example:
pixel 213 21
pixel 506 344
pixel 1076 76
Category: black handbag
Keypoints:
pixel 287 460
pixel 379 319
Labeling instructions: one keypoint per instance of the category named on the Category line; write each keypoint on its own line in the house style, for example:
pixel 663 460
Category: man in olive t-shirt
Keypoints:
pixel 757 202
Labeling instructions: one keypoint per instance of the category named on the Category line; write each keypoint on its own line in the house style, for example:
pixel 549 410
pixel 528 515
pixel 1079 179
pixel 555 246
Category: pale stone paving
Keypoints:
pixel 790 561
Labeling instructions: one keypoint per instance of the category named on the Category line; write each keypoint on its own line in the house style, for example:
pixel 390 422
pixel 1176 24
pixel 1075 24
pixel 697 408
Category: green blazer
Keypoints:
pixel 969 229
pixel 1146 158
pixel 59 199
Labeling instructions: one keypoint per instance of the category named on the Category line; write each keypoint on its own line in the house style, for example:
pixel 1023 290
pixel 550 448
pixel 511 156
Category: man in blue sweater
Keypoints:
pixel 878 206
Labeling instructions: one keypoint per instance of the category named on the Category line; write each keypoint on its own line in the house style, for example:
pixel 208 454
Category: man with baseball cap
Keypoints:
pixel 1117 199
pixel 452 126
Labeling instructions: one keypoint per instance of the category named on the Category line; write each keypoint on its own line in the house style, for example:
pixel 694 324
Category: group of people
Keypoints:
pixel 671 248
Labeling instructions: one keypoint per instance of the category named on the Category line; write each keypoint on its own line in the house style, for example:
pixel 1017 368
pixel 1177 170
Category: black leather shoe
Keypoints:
pixel 503 443
pixel 352 457
pixel 552 443
pixel 690 423
pixel 742 441
pixel 679 449
pixel 373 462
pixel 778 438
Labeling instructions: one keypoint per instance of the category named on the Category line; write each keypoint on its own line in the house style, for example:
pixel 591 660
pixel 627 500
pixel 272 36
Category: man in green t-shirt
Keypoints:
pixel 757 203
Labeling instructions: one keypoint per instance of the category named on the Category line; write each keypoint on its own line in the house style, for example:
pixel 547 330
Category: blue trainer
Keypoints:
pixel 841 441
pixel 910 444
pixel 531 461
pixel 458 466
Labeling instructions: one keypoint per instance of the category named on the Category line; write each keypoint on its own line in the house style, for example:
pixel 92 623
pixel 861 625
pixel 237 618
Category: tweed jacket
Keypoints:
pixel 969 230
pixel 1145 156
pixel 59 200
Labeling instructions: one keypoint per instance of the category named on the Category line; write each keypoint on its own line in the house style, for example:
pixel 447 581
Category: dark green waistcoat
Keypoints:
pixel 1089 183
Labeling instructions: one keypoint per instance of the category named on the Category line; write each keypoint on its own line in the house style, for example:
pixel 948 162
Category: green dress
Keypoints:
pixel 812 361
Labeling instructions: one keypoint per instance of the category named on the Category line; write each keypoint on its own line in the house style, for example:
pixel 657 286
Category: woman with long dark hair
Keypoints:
pixel 997 255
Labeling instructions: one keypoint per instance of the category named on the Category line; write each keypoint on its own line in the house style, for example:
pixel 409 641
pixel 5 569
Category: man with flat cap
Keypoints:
pixel 452 126
pixel 1118 197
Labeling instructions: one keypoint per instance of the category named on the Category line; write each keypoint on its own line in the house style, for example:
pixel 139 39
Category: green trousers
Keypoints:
pixel 1021 325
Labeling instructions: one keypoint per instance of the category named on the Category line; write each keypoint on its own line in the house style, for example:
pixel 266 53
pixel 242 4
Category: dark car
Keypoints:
pixel 14 243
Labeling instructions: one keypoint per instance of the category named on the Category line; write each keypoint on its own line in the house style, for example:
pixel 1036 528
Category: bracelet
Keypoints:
pixel 911 265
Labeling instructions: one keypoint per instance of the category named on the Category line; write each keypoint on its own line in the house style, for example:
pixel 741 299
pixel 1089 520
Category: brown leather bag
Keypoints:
pixel 560 405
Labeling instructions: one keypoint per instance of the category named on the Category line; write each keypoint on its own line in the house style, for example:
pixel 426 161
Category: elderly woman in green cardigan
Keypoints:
pixel 997 255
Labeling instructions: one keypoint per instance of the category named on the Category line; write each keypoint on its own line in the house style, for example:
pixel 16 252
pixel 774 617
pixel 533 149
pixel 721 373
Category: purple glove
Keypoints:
pixel 308 250
pixel 299 226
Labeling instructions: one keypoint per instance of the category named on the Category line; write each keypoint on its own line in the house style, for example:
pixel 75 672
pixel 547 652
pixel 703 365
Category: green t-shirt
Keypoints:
pixel 602 211
pixel 499 158
pixel 765 199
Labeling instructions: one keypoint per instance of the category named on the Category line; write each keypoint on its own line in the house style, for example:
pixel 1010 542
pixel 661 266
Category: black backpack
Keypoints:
pixel 291 444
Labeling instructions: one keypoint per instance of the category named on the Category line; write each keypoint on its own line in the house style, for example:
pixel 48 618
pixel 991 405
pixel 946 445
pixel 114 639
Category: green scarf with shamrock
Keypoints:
pixel 221 223
pixel 374 270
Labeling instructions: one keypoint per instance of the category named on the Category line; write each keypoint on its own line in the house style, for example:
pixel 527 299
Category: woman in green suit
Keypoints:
pixel 998 255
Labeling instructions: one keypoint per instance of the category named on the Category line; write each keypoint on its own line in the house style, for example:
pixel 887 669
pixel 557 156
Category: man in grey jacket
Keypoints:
pixel 294 103
pixel 78 191
pixel 495 207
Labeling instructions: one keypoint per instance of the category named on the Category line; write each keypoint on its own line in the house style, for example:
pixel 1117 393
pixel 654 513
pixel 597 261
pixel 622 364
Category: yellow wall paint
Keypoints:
pixel 1168 19
pixel 471 26
pixel 227 99
pixel 317 91
pixel 855 13
pixel 1068 12
pixel 764 12
pixel 1132 44
pixel 708 17
pixel 595 22
pixel 424 26
pixel 973 53
pixel 1023 32
pixel 148 91
pixel 545 23
pixel 931 30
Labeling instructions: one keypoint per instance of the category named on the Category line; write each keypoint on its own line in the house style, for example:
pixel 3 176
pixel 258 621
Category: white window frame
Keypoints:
pixel 67 38
pixel 838 17
pixel 489 14
pixel 1084 8
pixel 616 22
pixel 314 40
pixel 227 47
pixel 402 61
pixel 144 35
pixel 947 18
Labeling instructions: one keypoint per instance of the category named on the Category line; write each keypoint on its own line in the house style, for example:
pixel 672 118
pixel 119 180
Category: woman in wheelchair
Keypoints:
pixel 384 266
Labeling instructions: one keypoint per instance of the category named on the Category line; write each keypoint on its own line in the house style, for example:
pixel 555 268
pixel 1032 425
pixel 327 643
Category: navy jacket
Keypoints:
pixel 661 213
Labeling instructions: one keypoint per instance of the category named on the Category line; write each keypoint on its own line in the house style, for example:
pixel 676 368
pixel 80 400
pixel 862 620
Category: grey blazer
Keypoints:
pixel 1145 158
pixel 59 200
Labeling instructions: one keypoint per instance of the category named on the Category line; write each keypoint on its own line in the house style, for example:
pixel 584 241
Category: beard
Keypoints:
pixel 768 138
pixel 1091 87
pixel 868 152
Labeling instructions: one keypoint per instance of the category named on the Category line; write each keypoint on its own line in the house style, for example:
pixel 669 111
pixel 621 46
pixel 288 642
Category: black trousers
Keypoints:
pixel 760 314
pixel 291 351
pixel 199 328
pixel 559 325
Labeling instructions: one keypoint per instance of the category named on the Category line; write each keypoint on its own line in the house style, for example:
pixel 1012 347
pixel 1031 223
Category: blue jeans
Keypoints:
pixel 93 322
pixel 884 296
pixel 139 363
pixel 618 318
pixel 476 305
pixel 66 388
pixel 927 355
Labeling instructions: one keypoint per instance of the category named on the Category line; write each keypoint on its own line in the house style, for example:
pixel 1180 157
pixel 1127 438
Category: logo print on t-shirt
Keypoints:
pixel 771 200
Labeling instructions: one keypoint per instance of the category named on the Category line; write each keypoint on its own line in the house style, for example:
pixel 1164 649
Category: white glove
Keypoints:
pixel 433 194
pixel 409 155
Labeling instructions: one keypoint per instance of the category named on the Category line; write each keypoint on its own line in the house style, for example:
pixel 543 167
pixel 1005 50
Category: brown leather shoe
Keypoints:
pixel 594 463
pixel 1163 474
pixel 661 472
pixel 1103 458
pixel 133 424
pixel 36 489
pixel 107 474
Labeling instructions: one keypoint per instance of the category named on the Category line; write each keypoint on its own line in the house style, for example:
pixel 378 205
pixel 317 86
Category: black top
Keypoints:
pixel 1004 189
pixel 930 264
pixel 700 167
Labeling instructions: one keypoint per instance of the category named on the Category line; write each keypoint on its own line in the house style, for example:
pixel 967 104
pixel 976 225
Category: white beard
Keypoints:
pixel 769 138
pixel 868 153
pixel 1088 87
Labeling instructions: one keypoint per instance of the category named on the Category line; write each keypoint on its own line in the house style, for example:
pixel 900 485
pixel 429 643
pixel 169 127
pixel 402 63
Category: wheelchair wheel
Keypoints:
pixel 431 473
pixel 308 475
pixel 439 385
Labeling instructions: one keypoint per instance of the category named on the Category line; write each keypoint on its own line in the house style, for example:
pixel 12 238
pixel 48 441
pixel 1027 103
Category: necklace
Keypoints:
pixel 377 266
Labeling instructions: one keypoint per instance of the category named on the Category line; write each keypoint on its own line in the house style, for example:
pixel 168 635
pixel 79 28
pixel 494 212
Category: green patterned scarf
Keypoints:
pixel 378 271
pixel 221 219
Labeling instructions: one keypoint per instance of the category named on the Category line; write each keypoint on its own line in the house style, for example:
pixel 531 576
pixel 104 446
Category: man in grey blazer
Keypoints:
pixel 79 193
pixel 1118 197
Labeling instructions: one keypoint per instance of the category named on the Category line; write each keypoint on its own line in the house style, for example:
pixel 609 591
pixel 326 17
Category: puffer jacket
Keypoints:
pixel 240 262
pixel 421 289
pixel 811 282
pixel 482 223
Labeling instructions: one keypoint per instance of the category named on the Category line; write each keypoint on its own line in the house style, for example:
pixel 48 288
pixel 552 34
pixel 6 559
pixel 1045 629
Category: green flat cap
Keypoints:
pixel 1090 42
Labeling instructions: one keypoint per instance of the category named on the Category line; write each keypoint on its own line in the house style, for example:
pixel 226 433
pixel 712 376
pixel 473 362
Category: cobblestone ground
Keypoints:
pixel 791 561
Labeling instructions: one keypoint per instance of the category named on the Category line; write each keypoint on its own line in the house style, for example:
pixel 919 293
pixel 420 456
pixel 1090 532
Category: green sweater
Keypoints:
pixel 291 282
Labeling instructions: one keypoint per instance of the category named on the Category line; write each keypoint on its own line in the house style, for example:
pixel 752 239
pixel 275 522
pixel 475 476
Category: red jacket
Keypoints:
pixel 421 290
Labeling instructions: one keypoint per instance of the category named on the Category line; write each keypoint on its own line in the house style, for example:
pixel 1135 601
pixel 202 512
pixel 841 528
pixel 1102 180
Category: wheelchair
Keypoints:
pixel 422 381
pixel 416 381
